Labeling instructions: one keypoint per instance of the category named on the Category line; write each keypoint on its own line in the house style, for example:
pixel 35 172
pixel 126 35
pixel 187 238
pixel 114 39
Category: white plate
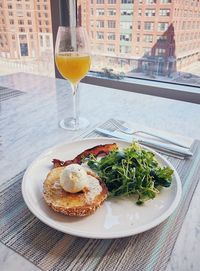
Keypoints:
pixel 116 218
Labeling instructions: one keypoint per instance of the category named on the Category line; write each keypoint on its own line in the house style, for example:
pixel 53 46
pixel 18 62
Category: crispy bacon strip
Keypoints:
pixel 96 151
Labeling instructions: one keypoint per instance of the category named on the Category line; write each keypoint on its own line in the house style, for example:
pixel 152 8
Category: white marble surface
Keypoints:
pixel 53 101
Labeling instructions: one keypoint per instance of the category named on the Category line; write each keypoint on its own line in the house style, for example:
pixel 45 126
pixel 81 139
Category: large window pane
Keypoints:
pixel 26 43
pixel 153 39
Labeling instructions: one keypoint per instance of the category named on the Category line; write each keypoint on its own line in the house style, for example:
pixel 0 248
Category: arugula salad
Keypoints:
pixel 132 171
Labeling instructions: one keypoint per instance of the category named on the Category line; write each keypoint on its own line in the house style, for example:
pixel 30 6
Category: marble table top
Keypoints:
pixel 29 123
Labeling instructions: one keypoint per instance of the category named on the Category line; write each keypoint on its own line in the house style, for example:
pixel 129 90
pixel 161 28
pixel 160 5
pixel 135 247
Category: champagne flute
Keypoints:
pixel 72 55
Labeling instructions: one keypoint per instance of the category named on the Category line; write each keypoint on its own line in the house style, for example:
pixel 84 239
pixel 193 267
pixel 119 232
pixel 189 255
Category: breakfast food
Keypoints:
pixel 79 186
pixel 95 151
pixel 81 203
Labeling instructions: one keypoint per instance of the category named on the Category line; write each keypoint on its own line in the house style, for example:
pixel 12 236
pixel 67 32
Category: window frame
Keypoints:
pixel 64 12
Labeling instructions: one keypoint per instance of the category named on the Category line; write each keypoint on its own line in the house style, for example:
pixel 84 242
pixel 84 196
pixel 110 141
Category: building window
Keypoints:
pixel 24 49
pixel 111 1
pixel 148 38
pixel 111 24
pixel 148 26
pixel 126 37
pixel 21 22
pixel 150 2
pixel 126 25
pixel 10 13
pixel 28 14
pixel 165 1
pixel 111 12
pixel 127 1
pixel 21 29
pixel 111 36
pixel 160 52
pixel 163 26
pixel 9 6
pixel 162 38
pixel 150 12
pixel 100 1
pixel 100 12
pixel 48 41
pixel 100 24
pixel 29 22
pixel 126 12
pixel 41 41
pixel 124 49
pixel 111 48
pixel 11 21
pixel 147 51
pixel 164 12
pixel 100 35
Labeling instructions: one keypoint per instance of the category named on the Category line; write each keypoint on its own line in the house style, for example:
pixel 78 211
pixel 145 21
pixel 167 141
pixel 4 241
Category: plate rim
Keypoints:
pixel 117 234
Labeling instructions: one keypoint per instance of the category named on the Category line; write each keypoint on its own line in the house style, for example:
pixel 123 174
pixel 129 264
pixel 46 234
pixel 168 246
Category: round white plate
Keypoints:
pixel 117 217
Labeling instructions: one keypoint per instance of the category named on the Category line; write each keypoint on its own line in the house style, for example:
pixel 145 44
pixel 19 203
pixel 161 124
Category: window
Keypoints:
pixel 111 48
pixel 111 12
pixel 147 51
pixel 149 26
pixel 126 37
pixel 24 49
pixel 150 2
pixel 165 1
pixel 162 38
pixel 100 12
pixel 140 12
pixel 100 1
pixel 163 26
pixel 111 36
pixel 126 25
pixel 126 12
pixel 127 1
pixel 111 1
pixel 100 35
pixel 21 22
pixel 150 12
pixel 111 24
pixel 148 38
pixel 164 12
pixel 124 49
pixel 100 24
pixel 160 52
pixel 48 41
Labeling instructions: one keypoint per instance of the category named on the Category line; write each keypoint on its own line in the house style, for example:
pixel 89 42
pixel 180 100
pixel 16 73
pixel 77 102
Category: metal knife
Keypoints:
pixel 176 150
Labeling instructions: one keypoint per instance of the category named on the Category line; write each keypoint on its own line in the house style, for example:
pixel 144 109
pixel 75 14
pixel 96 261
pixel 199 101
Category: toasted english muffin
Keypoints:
pixel 71 204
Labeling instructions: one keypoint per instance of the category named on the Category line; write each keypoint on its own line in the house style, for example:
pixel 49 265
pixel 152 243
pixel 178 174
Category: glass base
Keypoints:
pixel 69 124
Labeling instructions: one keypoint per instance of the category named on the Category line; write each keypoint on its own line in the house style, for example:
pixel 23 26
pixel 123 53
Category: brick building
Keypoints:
pixel 152 36
pixel 25 29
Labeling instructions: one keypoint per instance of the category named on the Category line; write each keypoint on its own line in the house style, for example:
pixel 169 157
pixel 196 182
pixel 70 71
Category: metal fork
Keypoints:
pixel 124 129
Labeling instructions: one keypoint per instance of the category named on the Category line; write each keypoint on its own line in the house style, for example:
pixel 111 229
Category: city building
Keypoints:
pixel 155 37
pixel 25 29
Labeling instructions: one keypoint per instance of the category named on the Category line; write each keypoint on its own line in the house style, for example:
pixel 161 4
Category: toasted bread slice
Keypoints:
pixel 71 204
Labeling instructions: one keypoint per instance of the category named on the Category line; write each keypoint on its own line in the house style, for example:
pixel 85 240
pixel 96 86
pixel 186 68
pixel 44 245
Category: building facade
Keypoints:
pixel 153 36
pixel 25 29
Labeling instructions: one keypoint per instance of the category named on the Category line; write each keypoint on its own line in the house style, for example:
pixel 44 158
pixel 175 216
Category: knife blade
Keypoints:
pixel 176 150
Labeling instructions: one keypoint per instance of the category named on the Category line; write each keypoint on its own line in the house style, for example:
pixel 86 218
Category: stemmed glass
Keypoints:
pixel 72 55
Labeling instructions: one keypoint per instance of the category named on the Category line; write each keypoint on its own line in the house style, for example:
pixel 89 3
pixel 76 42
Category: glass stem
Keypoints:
pixel 75 105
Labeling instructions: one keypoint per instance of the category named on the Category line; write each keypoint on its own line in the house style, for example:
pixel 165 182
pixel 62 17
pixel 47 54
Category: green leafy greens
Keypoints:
pixel 132 171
